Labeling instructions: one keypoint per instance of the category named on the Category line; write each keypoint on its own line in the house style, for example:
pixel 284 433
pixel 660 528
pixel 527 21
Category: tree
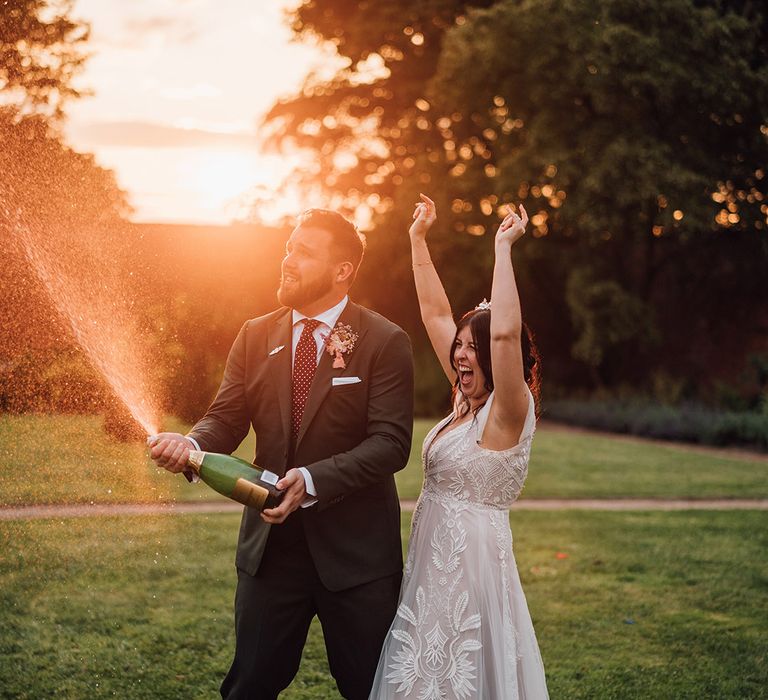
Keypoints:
pixel 634 132
pixel 41 50
pixel 54 202
pixel 71 212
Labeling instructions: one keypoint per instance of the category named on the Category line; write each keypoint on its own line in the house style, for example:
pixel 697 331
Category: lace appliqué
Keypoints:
pixel 457 467
pixel 462 630
pixel 437 647
pixel 504 553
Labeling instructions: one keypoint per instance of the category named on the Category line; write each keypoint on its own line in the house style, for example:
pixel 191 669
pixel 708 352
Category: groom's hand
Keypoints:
pixel 295 494
pixel 170 451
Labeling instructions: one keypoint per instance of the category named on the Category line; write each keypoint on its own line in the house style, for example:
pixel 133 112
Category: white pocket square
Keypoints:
pixel 276 350
pixel 341 381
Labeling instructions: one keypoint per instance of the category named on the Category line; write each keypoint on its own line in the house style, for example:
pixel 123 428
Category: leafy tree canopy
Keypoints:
pixel 41 51
pixel 635 133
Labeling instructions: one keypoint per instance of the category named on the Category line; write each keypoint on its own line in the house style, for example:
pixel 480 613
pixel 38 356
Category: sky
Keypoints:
pixel 179 87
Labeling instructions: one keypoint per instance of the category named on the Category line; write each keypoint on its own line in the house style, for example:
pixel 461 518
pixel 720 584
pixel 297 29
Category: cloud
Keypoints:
pixel 192 92
pixel 178 29
pixel 152 135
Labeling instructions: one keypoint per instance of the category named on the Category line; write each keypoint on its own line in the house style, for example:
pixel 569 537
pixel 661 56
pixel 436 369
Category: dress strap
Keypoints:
pixel 530 418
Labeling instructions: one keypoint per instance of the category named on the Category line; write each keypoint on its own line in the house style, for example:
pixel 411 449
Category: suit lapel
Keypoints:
pixel 281 334
pixel 321 384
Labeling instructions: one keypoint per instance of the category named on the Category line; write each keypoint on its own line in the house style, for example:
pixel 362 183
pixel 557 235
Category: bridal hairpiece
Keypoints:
pixel 484 305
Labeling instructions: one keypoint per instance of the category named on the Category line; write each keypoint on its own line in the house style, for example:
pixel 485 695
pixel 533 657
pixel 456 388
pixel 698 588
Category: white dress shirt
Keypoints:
pixel 327 319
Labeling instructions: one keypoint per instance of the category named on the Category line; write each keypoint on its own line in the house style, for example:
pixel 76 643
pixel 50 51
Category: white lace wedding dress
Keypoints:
pixel 462 628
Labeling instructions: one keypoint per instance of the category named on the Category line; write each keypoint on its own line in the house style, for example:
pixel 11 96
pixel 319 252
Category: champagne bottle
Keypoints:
pixel 237 479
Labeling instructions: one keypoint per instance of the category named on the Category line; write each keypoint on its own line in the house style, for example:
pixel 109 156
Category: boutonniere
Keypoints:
pixel 339 342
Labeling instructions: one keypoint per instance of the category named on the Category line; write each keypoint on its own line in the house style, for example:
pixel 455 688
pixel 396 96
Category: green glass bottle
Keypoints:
pixel 237 479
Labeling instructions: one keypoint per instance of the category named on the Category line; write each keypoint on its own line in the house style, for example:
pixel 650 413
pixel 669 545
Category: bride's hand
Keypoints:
pixel 513 226
pixel 423 217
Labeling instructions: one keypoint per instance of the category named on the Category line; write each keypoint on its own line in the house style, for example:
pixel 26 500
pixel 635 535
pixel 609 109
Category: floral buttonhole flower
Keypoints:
pixel 339 342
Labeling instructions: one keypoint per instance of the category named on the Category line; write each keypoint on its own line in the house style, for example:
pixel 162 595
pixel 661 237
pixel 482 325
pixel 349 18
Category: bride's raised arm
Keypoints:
pixel 510 405
pixel 433 302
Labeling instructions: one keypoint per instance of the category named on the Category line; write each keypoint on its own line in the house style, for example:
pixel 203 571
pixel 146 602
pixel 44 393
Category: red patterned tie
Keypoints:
pixel 304 366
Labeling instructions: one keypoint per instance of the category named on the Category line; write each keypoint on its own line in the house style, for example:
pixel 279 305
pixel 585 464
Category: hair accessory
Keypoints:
pixel 484 305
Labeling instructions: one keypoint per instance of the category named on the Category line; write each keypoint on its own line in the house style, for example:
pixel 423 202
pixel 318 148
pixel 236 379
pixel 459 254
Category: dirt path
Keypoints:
pixel 118 509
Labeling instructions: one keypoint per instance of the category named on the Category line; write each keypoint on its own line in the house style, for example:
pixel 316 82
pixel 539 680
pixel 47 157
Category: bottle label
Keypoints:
pixel 269 477
pixel 249 494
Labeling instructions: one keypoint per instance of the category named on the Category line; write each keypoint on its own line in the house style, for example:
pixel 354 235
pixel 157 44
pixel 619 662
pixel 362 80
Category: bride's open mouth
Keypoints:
pixel 465 375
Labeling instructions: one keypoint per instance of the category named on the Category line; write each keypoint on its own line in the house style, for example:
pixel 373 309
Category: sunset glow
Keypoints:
pixel 222 178
pixel 178 92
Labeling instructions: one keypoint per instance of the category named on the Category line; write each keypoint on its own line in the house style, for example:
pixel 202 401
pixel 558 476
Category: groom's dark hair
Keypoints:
pixel 348 242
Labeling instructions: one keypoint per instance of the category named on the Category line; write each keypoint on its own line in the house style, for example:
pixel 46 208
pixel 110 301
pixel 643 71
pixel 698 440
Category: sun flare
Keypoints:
pixel 221 177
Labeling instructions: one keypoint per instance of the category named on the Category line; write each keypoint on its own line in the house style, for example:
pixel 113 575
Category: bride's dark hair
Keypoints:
pixel 479 322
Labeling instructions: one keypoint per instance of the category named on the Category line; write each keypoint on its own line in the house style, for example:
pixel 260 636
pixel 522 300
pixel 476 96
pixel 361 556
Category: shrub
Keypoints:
pixel 688 422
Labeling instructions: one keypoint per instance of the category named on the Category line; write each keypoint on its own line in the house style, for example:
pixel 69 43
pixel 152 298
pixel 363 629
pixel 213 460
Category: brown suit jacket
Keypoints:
pixel 353 438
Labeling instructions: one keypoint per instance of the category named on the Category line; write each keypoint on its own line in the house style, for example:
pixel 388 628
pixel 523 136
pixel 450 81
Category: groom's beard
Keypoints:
pixel 299 293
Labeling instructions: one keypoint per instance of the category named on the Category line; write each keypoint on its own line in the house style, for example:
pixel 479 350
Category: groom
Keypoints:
pixel 328 388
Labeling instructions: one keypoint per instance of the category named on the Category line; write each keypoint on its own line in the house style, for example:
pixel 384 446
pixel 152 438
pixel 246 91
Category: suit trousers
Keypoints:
pixel 273 611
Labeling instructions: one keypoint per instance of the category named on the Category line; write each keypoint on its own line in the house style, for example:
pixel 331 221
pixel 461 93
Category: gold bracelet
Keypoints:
pixel 415 265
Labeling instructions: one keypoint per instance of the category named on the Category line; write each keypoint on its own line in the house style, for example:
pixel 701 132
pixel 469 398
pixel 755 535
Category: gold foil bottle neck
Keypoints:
pixel 196 458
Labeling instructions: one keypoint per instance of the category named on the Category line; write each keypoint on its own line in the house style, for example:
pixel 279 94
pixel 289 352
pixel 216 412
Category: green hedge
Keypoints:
pixel 689 423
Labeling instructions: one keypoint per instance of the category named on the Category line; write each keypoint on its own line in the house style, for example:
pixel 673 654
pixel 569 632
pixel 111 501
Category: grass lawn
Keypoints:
pixel 626 605
pixel 568 464
pixel 68 459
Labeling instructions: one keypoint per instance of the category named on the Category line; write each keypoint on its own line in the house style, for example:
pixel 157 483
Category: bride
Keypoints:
pixel 462 628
